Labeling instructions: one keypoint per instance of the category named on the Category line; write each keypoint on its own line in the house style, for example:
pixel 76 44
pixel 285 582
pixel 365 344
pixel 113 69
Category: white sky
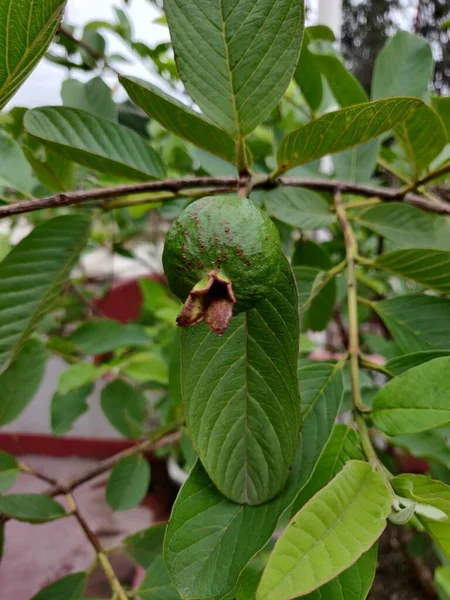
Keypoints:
pixel 44 84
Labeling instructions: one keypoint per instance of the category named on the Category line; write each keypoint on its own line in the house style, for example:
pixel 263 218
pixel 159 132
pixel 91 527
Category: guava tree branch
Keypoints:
pixel 89 49
pixel 179 185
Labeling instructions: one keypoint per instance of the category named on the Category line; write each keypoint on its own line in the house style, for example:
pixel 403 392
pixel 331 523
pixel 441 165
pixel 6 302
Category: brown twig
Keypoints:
pixel 89 49
pixel 177 185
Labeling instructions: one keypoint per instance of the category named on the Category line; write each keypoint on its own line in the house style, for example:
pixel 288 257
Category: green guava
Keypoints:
pixel 221 256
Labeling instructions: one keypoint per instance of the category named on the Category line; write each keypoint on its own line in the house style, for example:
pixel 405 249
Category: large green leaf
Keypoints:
pixel 31 508
pixel 317 296
pixel 415 401
pixel 128 482
pixel 329 534
pixel 430 268
pixel 70 587
pixel 342 446
pixel 15 172
pixel 403 67
pixel 344 86
pixel 441 105
pixel 417 322
pixel 9 471
pixel 343 129
pixel 238 532
pixel 300 208
pixel 405 225
pixel 236 58
pixel 93 142
pixel 180 119
pixel 423 137
pixel 21 380
pixel 26 30
pixel 32 277
pixel 400 364
pixel 241 397
pixel 353 583
pixel 66 408
pixel 358 164
pixel 94 97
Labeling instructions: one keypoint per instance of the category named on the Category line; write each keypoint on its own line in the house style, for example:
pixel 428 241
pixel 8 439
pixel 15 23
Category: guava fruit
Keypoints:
pixel 221 256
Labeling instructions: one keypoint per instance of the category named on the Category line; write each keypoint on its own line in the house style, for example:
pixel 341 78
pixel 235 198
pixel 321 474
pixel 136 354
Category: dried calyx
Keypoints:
pixel 211 300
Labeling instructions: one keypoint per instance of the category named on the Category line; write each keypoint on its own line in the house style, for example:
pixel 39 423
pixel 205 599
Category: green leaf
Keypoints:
pixel 21 380
pixel 300 208
pixel 15 172
pixel 128 483
pixel 32 276
pixel 106 335
pixel 442 582
pixel 66 408
pixel 430 268
pixel 401 364
pixel 52 170
pixel 423 137
pixel 236 59
pixel 424 490
pixel 417 322
pixel 353 583
pixel 31 508
pixel 238 532
pixel 124 407
pixel 403 68
pixel 241 400
pixel 157 584
pixel 317 297
pixel 327 536
pixel 26 30
pixel 79 375
pixel 180 119
pixel 344 86
pixel 405 225
pixel 306 74
pixel 358 164
pixel 415 401
pixel 147 366
pixel 70 587
pixel 442 106
pixel 9 471
pixel 429 444
pixel 95 143
pixel 94 97
pixel 342 446
pixel 343 129
pixel 145 546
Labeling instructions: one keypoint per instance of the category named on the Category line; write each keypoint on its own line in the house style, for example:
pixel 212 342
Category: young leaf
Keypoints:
pixel 417 322
pixel 31 508
pixel 145 546
pixel 353 583
pixel 300 208
pixel 128 483
pixel 125 407
pixel 15 172
pixel 403 68
pixel 405 225
pixel 430 268
pixel 66 408
pixel 26 30
pixel 415 401
pixel 94 97
pixel 70 587
pixel 342 446
pixel 32 276
pixel 241 531
pixel 9 471
pixel 241 400
pixel 93 142
pixel 21 380
pixel 180 119
pixel 236 59
pixel 343 129
pixel 327 535
pixel 106 335
pixel 401 364
pixel 424 490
